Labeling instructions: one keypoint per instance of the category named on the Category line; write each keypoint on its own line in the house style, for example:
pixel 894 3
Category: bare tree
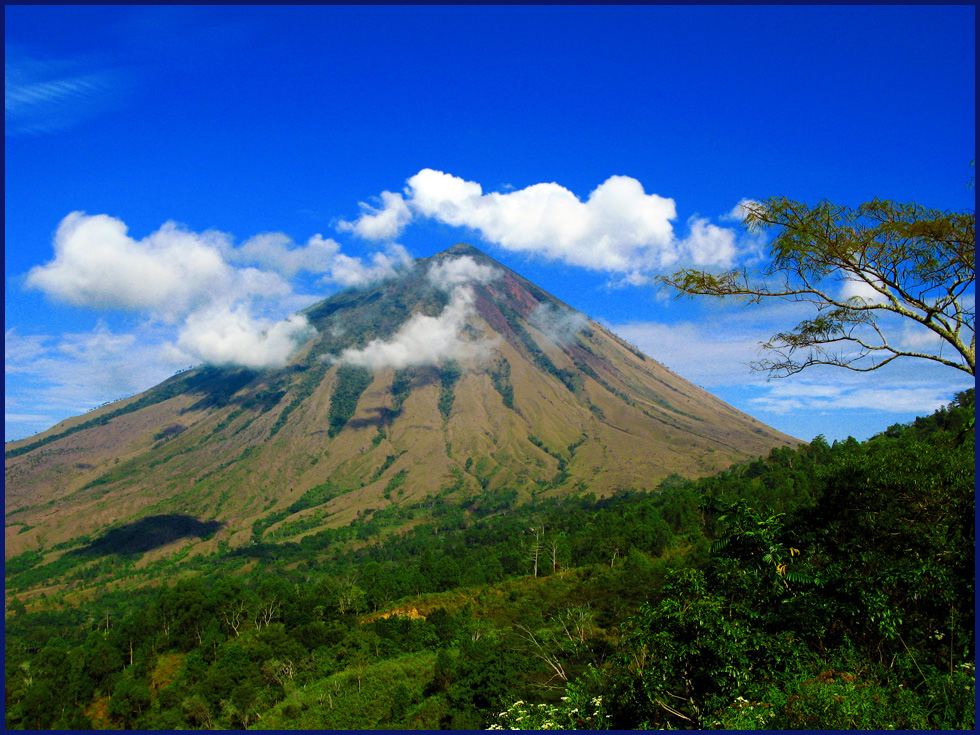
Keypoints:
pixel 555 546
pixel 536 548
pixel 266 612
pixel 235 616
pixel 542 649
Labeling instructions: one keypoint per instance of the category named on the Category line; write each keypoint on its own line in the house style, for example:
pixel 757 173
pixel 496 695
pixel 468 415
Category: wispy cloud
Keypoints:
pixel 46 95
pixel 715 352
pixel 561 325
pixel 68 374
pixel 895 397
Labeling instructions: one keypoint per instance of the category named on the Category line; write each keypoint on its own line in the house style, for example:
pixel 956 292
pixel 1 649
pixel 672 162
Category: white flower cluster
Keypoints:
pixel 569 715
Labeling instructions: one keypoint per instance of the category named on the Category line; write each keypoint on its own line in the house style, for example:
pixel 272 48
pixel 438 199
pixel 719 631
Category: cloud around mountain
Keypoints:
pixel 429 340
pixel 222 299
pixel 224 303
pixel 618 229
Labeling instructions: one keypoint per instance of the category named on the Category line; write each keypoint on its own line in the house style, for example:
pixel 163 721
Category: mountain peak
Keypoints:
pixel 461 248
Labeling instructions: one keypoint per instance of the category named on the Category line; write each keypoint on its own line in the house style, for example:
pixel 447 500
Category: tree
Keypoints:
pixel 903 259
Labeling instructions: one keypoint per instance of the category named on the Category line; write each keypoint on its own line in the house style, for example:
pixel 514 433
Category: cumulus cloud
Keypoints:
pixel 741 210
pixel 348 271
pixel 708 244
pixel 98 265
pixel 222 298
pixel 277 252
pixel 232 336
pixel 618 229
pixel 384 223
pixel 853 288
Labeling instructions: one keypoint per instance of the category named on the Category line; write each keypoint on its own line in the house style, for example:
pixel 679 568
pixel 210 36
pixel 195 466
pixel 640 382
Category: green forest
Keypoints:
pixel 826 587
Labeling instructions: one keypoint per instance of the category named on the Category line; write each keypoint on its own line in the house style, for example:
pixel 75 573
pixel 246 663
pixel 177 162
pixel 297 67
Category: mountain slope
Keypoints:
pixel 457 377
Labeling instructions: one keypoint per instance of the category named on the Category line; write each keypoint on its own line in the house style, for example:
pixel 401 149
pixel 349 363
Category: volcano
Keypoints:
pixel 455 379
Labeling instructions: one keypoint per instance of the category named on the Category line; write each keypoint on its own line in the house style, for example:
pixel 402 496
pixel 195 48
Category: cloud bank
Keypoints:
pixel 221 298
pixel 429 340
pixel 619 228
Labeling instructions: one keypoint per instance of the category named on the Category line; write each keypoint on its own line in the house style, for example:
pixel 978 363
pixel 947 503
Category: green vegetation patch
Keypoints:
pixel 500 376
pixel 352 381
pixel 449 374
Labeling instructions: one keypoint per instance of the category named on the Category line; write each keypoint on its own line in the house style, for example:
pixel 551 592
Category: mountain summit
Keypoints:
pixel 457 378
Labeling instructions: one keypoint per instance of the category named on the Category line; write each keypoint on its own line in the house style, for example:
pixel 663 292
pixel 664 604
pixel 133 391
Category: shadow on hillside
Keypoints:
pixel 382 415
pixel 377 416
pixel 147 534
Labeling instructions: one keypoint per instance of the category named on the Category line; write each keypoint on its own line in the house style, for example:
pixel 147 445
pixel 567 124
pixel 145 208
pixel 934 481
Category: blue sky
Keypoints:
pixel 180 180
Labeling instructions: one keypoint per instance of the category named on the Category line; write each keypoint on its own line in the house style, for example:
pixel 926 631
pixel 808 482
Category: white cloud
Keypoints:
pixel 429 340
pixel 708 244
pixel 98 265
pixel 558 323
pixel 852 288
pixel 226 309
pixel 348 271
pixel 48 95
pixel 706 353
pixel 740 210
pixel 785 396
pixel 914 337
pixel 277 252
pixel 232 336
pixel 19 352
pixel 52 377
pixel 385 223
pixel 618 229
pixel 457 271
pixel 714 352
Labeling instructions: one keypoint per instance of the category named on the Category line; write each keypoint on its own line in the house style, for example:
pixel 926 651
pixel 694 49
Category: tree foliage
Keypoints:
pixel 828 586
pixel 866 270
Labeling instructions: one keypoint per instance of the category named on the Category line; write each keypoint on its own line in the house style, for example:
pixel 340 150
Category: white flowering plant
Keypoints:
pixel 579 709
